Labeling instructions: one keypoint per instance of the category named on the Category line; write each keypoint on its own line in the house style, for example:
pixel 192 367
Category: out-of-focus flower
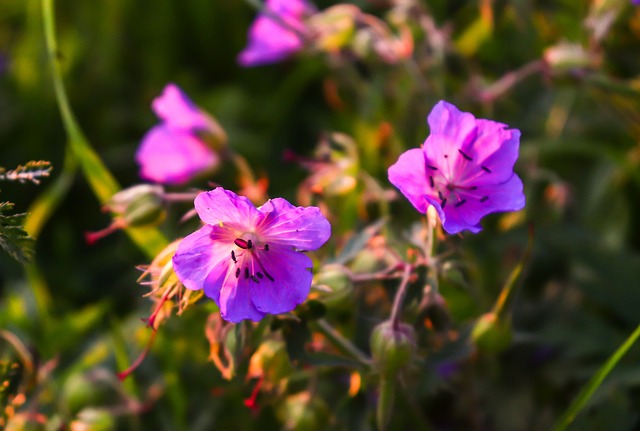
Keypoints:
pixel 175 151
pixel 277 33
pixel 248 259
pixel 464 169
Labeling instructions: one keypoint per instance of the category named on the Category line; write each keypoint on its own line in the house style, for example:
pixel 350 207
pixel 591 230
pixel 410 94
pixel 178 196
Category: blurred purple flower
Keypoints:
pixel 172 152
pixel 248 259
pixel 635 2
pixel 464 169
pixel 277 33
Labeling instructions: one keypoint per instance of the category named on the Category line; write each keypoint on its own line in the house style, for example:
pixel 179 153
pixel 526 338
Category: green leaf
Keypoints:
pixel 13 238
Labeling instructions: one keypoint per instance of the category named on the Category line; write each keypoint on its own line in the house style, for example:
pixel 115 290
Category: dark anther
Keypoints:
pixel 459 204
pixel 266 247
pixel 446 156
pixel 433 168
pixel 246 273
pixel 241 243
pixel 440 195
pixel 473 188
pixel 253 277
pixel 233 256
pixel 484 168
pixel 269 276
pixel 465 155
pixel 259 274
pixel 238 273
pixel 431 182
pixel 443 203
pixel 484 199
pixel 249 244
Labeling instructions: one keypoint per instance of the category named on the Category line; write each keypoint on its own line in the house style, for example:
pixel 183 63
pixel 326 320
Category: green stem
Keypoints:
pixel 587 392
pixel 344 345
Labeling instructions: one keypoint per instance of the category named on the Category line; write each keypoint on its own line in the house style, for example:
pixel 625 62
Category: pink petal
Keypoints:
pixel 507 196
pixel 302 228
pixel 235 301
pixel 292 276
pixel 177 110
pixel 409 175
pixel 220 207
pixel 173 156
pixel 447 120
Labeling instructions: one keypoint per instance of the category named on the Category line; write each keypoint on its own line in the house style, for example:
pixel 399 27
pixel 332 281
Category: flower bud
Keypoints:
pixel 140 205
pixel 566 57
pixel 339 293
pixel 491 334
pixel 333 27
pixel 392 347
pixel 303 412
pixel 92 419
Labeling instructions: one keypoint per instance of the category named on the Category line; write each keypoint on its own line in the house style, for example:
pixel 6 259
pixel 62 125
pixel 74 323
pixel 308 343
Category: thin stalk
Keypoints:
pixel 344 345
pixel 399 298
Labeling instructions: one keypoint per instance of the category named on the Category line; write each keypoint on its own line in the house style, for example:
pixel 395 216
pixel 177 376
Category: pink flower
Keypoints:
pixel 464 169
pixel 172 152
pixel 277 33
pixel 249 260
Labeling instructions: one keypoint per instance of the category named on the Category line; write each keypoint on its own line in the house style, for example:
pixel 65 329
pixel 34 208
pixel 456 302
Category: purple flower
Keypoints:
pixel 277 33
pixel 464 169
pixel 248 259
pixel 172 152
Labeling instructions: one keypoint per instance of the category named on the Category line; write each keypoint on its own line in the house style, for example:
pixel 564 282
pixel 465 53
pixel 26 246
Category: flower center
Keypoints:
pixel 452 184
pixel 246 257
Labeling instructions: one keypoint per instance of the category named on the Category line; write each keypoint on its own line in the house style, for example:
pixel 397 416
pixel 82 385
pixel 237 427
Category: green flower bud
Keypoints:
pixel 491 334
pixel 392 347
pixel 139 205
pixel 92 419
pixel 338 286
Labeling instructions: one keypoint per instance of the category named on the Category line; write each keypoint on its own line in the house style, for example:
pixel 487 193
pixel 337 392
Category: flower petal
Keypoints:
pixel 220 207
pixel 177 110
pixel 447 120
pixel 409 174
pixel 303 228
pixel 292 277
pixel 173 156
pixel 507 196
pixel 235 301
pixel 198 258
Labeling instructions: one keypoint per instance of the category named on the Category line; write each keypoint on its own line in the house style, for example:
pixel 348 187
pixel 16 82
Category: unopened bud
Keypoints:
pixel 139 205
pixel 566 57
pixel 491 334
pixel 333 27
pixel 392 347
pixel 339 286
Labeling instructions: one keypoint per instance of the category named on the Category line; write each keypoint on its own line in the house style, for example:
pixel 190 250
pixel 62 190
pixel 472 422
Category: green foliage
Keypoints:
pixel 13 238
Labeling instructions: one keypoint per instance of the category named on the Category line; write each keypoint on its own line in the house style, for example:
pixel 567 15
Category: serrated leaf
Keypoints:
pixel 13 238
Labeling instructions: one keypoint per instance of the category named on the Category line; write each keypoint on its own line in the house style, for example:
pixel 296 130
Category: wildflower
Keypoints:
pixel 277 33
pixel 248 259
pixel 464 169
pixel 174 152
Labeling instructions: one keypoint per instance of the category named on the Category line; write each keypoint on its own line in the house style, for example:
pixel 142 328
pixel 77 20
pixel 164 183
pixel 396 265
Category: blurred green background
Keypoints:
pixel 580 162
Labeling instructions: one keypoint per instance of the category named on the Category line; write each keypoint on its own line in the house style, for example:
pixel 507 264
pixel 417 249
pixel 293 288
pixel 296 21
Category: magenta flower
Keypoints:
pixel 248 259
pixel 172 152
pixel 277 33
pixel 464 169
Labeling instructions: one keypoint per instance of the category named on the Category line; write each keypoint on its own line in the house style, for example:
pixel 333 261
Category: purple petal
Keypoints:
pixel 496 148
pixel 235 301
pixel 447 120
pixel 507 196
pixel 292 280
pixel 270 40
pixel 220 207
pixel 303 228
pixel 173 156
pixel 409 174
pixel 199 257
pixel 177 110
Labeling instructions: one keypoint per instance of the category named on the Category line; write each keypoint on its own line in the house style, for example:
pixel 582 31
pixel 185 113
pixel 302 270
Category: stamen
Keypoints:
pixel 459 204
pixel 473 188
pixel 440 195
pixel 433 185
pixel 233 256
pixel 266 247
pixel 246 272
pixel 269 276
pixel 259 274
pixel 465 155
pixel 250 244
pixel 484 199
pixel 253 277
pixel 446 156
pixel 242 243
pixel 238 273
pixel 443 203
pixel 484 168
pixel 433 168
